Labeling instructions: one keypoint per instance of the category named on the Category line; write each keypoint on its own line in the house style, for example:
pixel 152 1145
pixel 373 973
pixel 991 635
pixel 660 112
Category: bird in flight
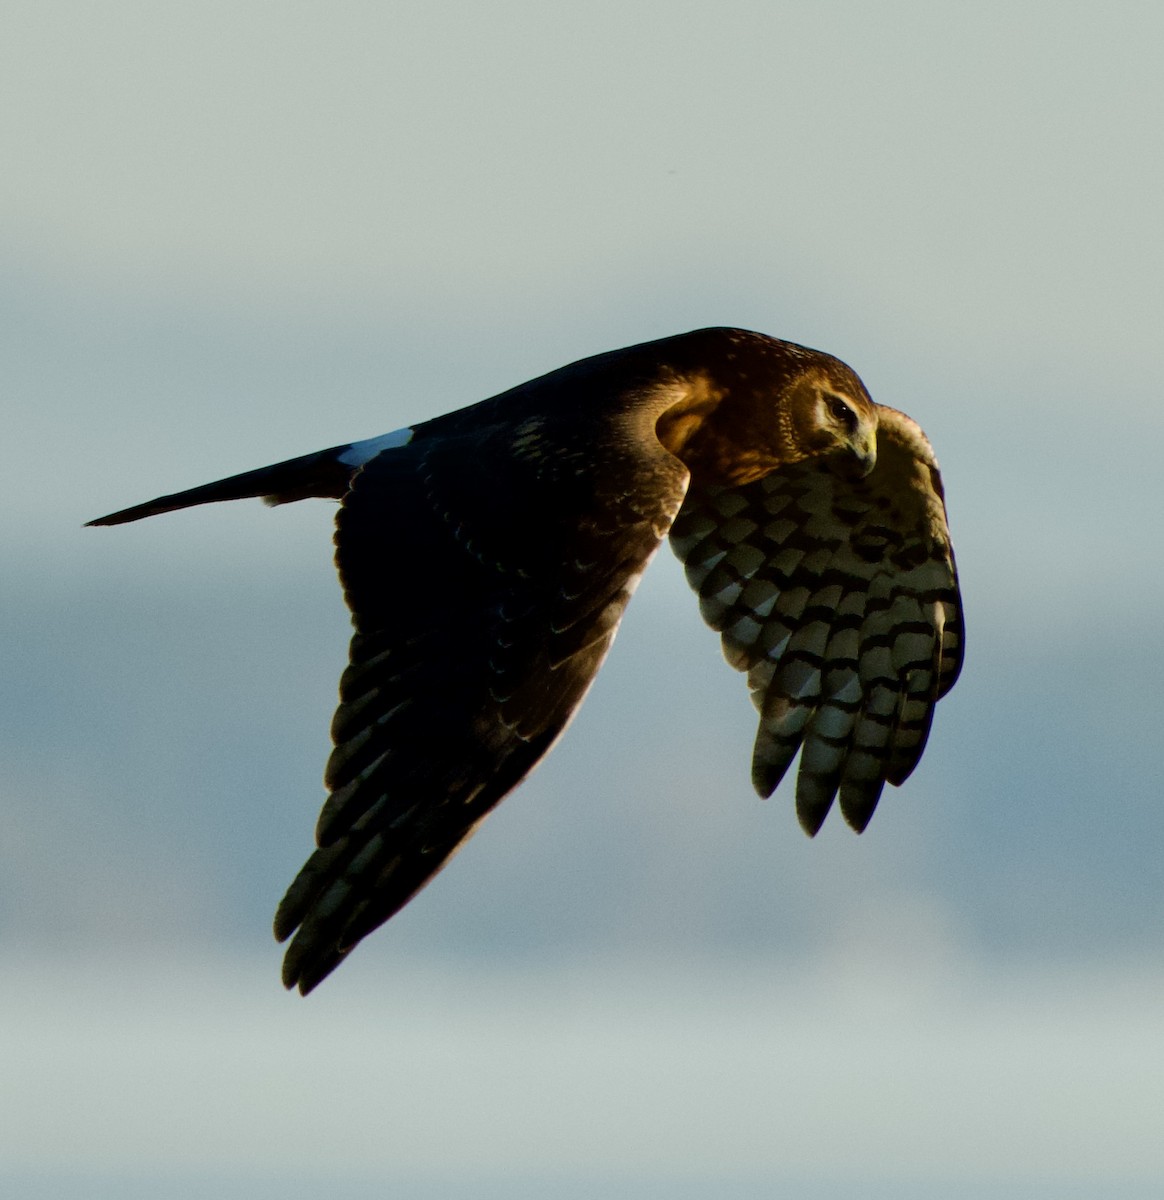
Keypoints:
pixel 487 557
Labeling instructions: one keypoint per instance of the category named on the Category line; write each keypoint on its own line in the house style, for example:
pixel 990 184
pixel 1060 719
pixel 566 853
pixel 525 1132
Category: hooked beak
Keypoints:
pixel 865 452
pixel 859 456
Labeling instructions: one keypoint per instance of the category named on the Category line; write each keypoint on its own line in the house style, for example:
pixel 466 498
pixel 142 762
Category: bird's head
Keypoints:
pixel 826 412
pixel 769 404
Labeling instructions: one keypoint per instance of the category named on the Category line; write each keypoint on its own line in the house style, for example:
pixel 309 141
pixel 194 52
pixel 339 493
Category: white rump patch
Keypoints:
pixel 359 453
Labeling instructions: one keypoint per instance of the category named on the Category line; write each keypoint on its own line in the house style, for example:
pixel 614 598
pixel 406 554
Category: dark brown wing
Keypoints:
pixel 841 601
pixel 486 572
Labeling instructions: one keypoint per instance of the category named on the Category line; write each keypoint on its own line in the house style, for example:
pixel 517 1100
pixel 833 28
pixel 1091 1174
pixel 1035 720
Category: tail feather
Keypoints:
pixel 323 473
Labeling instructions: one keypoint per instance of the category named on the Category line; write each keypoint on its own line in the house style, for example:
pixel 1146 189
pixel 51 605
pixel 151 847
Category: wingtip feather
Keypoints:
pixel 858 801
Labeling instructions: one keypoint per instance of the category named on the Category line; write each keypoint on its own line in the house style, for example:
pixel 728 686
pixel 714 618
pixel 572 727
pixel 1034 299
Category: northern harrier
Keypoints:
pixel 487 557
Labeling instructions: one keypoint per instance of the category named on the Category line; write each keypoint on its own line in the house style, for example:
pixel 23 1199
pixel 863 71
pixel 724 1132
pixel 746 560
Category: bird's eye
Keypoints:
pixel 843 413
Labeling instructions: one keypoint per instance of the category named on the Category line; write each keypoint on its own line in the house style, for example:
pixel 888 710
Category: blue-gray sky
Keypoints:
pixel 231 233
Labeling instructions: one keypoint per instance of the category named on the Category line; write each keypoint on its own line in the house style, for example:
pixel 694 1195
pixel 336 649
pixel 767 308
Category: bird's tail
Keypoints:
pixel 323 473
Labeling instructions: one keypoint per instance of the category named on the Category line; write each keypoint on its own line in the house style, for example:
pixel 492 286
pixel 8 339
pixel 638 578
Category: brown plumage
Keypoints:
pixel 487 557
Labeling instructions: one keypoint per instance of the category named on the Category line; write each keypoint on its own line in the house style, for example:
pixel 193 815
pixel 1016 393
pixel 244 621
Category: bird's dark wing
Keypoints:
pixel 841 601
pixel 487 570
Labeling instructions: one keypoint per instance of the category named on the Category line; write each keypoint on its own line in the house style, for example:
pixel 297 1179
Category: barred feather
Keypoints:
pixel 840 600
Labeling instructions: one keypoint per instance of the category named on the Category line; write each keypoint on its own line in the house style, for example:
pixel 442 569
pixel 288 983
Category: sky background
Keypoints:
pixel 233 233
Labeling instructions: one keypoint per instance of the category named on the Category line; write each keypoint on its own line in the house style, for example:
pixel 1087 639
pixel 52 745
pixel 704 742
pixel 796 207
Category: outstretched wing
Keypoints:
pixel 840 600
pixel 487 572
